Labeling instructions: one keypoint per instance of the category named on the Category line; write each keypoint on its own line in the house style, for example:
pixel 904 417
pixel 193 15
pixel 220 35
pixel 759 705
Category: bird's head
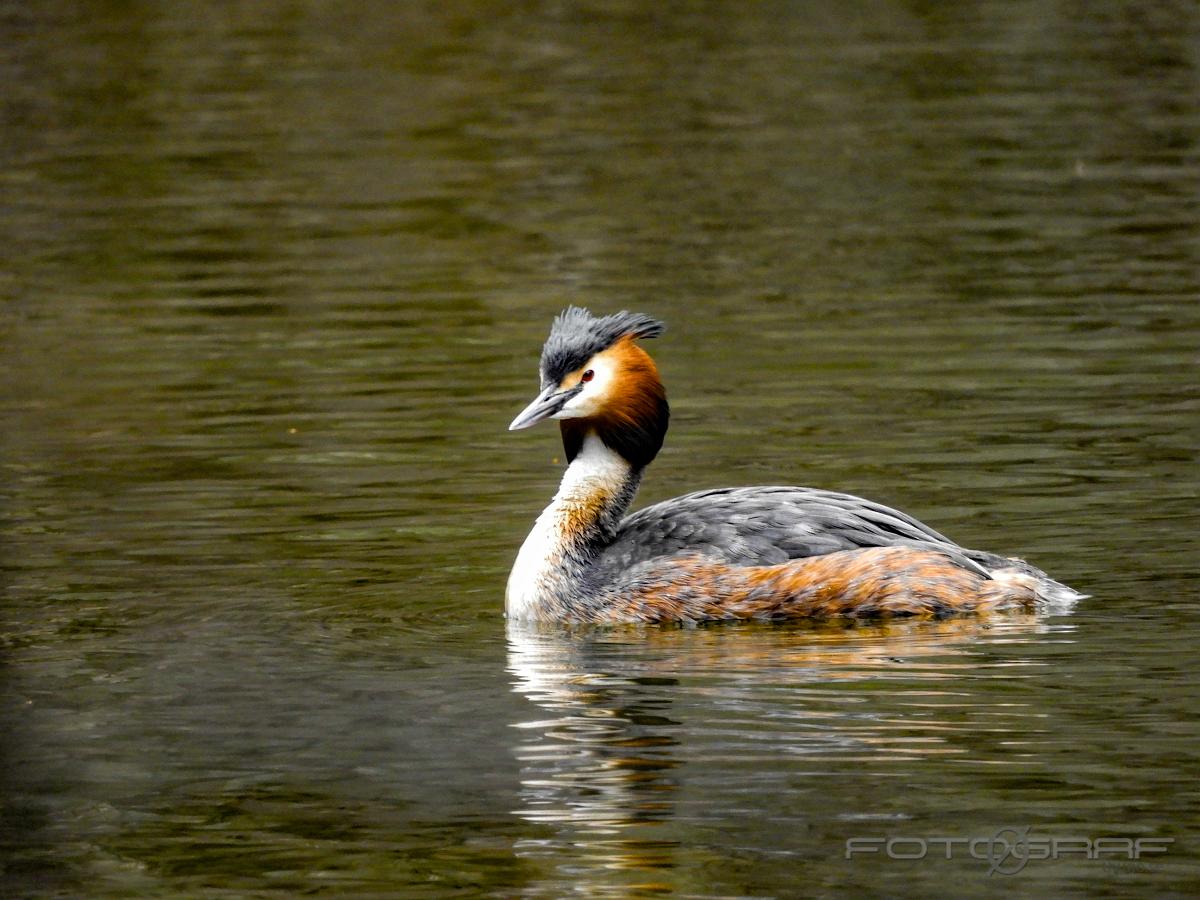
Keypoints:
pixel 596 379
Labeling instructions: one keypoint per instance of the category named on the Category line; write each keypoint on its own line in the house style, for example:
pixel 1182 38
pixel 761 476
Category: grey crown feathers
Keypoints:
pixel 576 336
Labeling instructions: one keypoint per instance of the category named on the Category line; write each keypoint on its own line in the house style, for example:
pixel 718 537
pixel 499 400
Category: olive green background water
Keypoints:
pixel 275 277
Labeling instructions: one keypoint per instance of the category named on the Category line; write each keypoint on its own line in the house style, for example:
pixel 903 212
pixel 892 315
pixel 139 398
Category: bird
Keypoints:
pixel 767 553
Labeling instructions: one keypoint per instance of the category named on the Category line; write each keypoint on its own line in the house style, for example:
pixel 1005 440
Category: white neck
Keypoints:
pixel 597 487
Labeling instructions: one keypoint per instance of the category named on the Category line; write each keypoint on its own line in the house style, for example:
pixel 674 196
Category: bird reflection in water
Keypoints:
pixel 628 718
pixel 598 768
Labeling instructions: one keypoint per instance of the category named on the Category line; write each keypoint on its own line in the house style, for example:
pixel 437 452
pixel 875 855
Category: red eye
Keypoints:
pixel 587 376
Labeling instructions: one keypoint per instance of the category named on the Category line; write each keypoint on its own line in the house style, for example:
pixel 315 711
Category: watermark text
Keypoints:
pixel 1007 851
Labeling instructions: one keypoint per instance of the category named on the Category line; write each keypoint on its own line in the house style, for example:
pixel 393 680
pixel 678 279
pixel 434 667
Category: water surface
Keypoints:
pixel 275 278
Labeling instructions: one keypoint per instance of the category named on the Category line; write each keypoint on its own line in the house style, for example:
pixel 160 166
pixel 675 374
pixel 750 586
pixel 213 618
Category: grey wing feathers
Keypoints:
pixel 768 526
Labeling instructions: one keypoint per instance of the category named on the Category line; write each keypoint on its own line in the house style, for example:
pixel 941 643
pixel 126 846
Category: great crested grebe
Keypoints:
pixel 729 553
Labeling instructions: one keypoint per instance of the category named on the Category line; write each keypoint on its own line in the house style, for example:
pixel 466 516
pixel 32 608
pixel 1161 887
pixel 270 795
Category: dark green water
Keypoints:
pixel 274 281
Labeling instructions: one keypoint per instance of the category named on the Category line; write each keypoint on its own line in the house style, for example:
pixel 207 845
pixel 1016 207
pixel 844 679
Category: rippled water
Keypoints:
pixel 275 278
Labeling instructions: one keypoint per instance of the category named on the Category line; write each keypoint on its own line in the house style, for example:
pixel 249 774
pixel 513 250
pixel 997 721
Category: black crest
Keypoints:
pixel 576 336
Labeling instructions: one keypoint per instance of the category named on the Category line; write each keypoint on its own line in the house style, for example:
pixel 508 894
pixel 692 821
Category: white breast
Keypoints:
pixel 596 469
pixel 540 555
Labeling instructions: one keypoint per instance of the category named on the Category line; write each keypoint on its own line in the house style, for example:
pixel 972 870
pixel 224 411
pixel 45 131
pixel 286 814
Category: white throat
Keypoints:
pixel 596 477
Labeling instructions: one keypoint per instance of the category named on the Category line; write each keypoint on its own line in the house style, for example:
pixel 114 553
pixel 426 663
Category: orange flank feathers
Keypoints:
pixel 875 582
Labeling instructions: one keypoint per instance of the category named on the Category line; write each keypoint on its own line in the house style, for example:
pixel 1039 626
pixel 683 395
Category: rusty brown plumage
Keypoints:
pixel 632 416
pixel 875 582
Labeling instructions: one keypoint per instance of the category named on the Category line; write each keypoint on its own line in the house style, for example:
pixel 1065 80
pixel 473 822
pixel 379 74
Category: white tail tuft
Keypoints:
pixel 1052 596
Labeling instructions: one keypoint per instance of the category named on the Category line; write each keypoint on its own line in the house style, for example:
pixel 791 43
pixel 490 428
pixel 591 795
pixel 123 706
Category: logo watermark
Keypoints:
pixel 1009 850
